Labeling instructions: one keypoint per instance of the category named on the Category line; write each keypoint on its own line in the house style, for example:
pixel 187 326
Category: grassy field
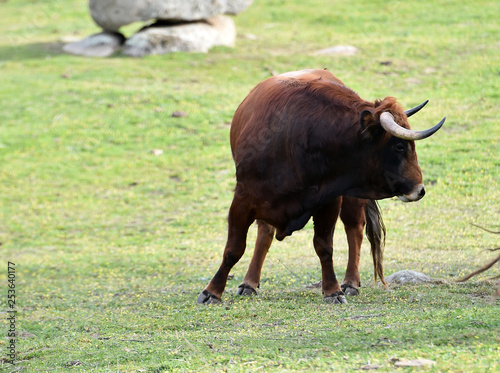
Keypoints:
pixel 112 244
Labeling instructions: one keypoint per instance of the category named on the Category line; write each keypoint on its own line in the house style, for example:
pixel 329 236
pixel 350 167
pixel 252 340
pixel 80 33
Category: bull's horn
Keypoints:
pixel 410 112
pixel 389 124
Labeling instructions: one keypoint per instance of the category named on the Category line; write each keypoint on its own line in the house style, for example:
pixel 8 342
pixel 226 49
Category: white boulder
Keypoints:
pixel 188 37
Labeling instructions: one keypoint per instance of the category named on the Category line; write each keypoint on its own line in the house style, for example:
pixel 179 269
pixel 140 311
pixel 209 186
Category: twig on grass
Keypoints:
pixel 289 270
pixel 136 340
pixel 480 270
pixel 487 265
pixel 355 317
pixel 190 345
pixel 484 229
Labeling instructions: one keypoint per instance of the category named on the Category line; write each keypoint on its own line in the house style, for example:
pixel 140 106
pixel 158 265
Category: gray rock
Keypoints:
pixel 102 44
pixel 113 14
pixel 407 277
pixel 188 37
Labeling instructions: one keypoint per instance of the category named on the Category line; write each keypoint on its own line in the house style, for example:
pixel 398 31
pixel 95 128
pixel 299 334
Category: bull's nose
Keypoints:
pixel 422 192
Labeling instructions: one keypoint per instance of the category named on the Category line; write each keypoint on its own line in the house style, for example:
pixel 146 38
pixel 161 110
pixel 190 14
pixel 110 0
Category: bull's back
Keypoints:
pixel 249 117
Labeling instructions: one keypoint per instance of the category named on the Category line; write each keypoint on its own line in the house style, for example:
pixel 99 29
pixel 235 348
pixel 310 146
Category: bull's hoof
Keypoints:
pixel 349 290
pixel 336 298
pixel 208 298
pixel 245 289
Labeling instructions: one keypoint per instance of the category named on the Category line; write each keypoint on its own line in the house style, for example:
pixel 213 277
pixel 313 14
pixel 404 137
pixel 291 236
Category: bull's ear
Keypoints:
pixel 369 125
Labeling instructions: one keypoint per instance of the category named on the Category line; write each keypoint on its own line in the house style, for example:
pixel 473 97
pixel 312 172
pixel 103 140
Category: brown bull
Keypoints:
pixel 304 146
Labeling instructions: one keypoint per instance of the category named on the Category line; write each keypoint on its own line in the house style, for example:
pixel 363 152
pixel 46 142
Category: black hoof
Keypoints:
pixel 207 298
pixel 336 298
pixel 349 290
pixel 245 289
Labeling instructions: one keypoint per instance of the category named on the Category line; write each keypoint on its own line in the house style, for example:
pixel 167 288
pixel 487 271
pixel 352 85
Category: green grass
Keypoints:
pixel 112 244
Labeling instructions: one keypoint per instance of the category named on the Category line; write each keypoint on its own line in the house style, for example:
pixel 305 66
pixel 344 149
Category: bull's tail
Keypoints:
pixel 375 231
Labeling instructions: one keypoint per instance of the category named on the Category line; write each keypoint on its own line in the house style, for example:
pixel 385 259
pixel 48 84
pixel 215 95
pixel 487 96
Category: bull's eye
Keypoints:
pixel 400 148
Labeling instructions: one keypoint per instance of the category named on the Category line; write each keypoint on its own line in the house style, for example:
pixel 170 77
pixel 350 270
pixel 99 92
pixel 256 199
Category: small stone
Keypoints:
pixel 249 36
pixel 413 81
pixel 407 277
pixel 23 334
pixel 415 363
pixel 343 50
pixel 370 367
pixel 156 152
pixel 179 114
pixel 74 363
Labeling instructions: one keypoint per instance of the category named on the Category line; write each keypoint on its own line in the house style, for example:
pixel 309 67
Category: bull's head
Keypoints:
pixel 401 172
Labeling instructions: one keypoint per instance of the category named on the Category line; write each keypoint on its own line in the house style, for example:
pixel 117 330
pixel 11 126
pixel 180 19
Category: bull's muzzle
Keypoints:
pixel 417 193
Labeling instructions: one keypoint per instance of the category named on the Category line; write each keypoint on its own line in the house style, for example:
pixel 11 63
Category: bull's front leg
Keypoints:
pixel 324 226
pixel 239 220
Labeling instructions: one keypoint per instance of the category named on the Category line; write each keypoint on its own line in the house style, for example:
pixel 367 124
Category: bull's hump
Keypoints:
pixel 308 75
pixel 297 74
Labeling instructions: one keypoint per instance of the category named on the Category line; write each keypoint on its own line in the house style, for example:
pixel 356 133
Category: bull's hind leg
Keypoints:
pixel 265 234
pixel 324 226
pixel 352 214
pixel 240 218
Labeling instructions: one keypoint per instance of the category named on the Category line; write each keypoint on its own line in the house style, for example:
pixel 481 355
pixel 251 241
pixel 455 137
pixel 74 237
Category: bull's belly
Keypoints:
pixel 289 212
pixel 287 216
pixel 284 224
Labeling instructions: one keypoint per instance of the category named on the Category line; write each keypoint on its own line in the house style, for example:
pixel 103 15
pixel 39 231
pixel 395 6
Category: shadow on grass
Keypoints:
pixel 31 51
pixel 41 51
